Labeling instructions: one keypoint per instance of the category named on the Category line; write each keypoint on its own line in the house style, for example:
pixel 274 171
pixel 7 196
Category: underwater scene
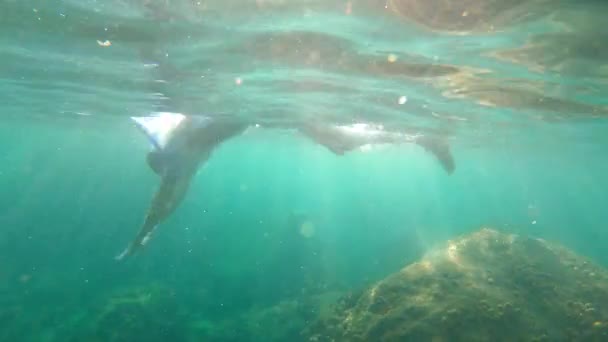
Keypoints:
pixel 303 170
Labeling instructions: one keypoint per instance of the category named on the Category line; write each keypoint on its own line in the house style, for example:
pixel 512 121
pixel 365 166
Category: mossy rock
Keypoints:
pixel 147 313
pixel 486 286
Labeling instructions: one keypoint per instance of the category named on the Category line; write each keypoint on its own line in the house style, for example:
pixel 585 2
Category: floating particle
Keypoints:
pixel 534 222
pixel 465 13
pixel 213 98
pixel 314 56
pixel 402 100
pixel 349 8
pixel 366 148
pixel 392 58
pixel 105 43
pixel 307 229
pixel 238 81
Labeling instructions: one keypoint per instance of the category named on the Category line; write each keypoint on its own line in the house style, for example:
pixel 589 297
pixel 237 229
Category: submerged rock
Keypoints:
pixel 148 313
pixel 283 321
pixel 486 286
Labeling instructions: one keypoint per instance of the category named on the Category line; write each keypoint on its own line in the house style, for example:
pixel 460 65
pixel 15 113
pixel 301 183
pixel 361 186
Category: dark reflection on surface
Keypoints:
pixel 331 53
pixel 466 15
pixel 574 53
pixel 514 93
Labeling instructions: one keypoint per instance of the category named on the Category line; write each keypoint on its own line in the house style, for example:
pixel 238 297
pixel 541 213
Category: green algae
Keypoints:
pixel 483 286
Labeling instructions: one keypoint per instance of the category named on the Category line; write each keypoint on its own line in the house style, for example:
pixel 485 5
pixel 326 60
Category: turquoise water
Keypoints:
pixel 516 87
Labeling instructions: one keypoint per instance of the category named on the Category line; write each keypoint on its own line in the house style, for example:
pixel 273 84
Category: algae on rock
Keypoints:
pixel 480 287
pixel 147 313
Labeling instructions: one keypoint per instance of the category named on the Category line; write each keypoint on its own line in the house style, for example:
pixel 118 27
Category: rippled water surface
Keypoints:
pixel 459 64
